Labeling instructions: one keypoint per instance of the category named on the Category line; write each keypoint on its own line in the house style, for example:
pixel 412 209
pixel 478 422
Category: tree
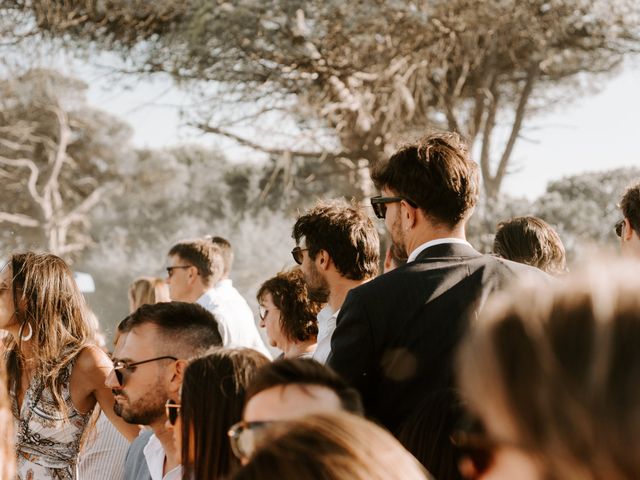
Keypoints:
pixel 360 77
pixel 56 160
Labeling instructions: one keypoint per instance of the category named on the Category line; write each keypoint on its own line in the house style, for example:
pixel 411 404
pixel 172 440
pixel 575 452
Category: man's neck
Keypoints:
pixel 171 456
pixel 339 287
pixel 429 233
pixel 196 293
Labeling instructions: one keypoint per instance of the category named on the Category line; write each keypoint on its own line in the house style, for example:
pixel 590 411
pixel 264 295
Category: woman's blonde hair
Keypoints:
pixel 49 305
pixel 340 446
pixel 147 290
pixel 562 362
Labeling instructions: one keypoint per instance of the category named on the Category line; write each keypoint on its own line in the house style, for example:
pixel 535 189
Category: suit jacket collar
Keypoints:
pixel 448 250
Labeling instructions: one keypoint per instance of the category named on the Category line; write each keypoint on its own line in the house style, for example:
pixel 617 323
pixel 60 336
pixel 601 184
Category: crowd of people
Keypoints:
pixel 448 364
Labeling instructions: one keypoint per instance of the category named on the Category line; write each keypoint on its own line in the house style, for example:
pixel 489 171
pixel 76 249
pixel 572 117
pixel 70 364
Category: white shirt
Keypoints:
pixel 433 243
pixel 326 326
pixel 154 455
pixel 235 319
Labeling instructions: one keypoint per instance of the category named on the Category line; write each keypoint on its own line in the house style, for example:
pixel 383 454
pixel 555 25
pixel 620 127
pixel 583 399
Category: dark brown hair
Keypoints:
pixel 47 298
pixel 630 206
pixel 203 254
pixel 305 371
pixel 297 312
pixel 346 232
pixel 562 362
pixel 436 174
pixel 532 241
pixel 213 394
pixel 337 446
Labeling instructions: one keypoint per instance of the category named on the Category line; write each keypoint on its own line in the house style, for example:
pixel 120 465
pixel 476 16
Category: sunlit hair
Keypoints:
pixel 7 453
pixel 226 250
pixel 560 363
pixel 337 446
pixel 298 313
pixel 147 290
pixel 203 254
pixel 46 297
pixel 213 394
pixel 532 241
pixel 630 206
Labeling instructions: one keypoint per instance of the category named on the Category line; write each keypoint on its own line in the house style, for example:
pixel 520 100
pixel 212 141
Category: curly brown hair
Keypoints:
pixel 630 206
pixel 298 313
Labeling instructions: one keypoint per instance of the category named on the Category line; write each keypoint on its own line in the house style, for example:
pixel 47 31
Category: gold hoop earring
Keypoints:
pixel 27 337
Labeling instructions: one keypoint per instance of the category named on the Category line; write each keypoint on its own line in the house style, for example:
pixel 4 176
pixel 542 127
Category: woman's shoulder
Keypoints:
pixel 90 360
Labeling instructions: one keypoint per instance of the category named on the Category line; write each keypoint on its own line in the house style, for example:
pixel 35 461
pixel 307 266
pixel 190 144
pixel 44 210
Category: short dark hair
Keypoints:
pixel 298 313
pixel 305 371
pixel 346 232
pixel 532 241
pixel 188 328
pixel 630 206
pixel 436 174
pixel 225 250
pixel 203 254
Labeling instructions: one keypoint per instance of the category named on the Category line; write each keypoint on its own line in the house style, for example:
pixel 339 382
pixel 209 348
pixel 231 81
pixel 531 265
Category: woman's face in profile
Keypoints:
pixel 270 320
pixel 7 309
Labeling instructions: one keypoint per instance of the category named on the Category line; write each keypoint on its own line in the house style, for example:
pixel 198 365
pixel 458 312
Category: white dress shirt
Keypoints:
pixel 326 325
pixel 235 319
pixel 433 243
pixel 154 454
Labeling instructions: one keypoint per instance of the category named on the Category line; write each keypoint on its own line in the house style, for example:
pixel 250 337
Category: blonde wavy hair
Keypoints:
pixel 147 290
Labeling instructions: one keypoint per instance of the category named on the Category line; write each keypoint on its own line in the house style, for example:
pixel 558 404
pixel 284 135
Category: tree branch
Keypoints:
pixel 19 219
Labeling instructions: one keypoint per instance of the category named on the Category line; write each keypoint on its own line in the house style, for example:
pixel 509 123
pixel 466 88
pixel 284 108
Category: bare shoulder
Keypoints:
pixel 91 361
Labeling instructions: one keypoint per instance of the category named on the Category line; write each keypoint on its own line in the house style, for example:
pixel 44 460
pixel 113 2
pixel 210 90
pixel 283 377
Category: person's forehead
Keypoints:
pixel 285 402
pixel 175 259
pixel 266 298
pixel 139 341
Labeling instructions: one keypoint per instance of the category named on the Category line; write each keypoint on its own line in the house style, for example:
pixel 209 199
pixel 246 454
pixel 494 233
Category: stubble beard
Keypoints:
pixel 317 286
pixel 144 411
pixel 397 238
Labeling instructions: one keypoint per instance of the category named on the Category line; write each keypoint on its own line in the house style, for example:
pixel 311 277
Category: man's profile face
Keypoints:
pixel 287 402
pixel 393 222
pixel 317 285
pixel 179 288
pixel 140 400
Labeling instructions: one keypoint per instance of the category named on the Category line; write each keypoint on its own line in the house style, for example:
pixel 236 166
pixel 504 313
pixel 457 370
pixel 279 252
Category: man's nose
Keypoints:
pixel 112 381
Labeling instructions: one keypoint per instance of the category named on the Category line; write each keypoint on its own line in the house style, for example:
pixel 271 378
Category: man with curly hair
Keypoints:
pixel 628 229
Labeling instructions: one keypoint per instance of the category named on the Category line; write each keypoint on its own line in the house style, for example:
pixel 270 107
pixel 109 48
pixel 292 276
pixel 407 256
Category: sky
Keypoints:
pixel 594 132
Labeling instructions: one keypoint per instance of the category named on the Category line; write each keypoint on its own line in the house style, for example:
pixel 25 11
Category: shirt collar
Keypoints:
pixel 433 243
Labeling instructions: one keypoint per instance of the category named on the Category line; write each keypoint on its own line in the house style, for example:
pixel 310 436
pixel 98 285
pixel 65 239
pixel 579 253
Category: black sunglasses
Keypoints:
pixel 618 227
pixel 120 367
pixel 296 253
pixel 379 204
pixel 172 411
pixel 171 269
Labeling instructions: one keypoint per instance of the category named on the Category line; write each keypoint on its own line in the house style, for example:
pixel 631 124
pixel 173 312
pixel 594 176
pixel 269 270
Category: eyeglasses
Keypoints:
pixel 296 253
pixel 262 312
pixel 379 204
pixel 245 436
pixel 171 269
pixel 172 411
pixel 619 226
pixel 120 367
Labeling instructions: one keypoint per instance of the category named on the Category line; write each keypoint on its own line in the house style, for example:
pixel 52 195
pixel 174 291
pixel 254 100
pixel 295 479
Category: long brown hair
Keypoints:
pixel 561 364
pixel 339 446
pixel 46 299
pixel 213 393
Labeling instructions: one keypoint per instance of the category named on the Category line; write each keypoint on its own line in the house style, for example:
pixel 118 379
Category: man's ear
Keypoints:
pixel 177 375
pixel 627 230
pixel 409 215
pixel 323 259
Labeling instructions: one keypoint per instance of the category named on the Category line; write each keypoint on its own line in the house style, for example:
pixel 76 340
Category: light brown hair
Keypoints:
pixel 338 446
pixel 562 362
pixel 148 290
pixel 47 298
pixel 204 255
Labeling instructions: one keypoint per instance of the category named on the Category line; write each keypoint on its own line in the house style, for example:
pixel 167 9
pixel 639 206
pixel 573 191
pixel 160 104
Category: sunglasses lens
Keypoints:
pixel 297 255
pixel 119 377
pixel 380 209
pixel 480 458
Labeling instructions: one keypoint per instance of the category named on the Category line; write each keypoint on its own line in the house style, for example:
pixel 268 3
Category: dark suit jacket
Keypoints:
pixel 396 335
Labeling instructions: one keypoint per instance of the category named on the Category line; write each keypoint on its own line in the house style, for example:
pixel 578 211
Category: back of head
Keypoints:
pixel 346 232
pixel 147 290
pixel 186 329
pixel 298 313
pixel 203 254
pixel 630 206
pixel 562 362
pixel 225 249
pixel 338 446
pixel 532 241
pixel 436 174
pixel 213 394
pixel 305 371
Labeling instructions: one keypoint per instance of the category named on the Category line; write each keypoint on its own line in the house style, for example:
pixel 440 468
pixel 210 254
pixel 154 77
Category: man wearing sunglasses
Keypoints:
pixel 198 272
pixel 628 229
pixel 396 335
pixel 149 360
pixel 340 251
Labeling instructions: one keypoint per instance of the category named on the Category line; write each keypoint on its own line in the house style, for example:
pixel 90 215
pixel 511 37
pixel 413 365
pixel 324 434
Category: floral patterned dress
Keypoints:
pixel 47 445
